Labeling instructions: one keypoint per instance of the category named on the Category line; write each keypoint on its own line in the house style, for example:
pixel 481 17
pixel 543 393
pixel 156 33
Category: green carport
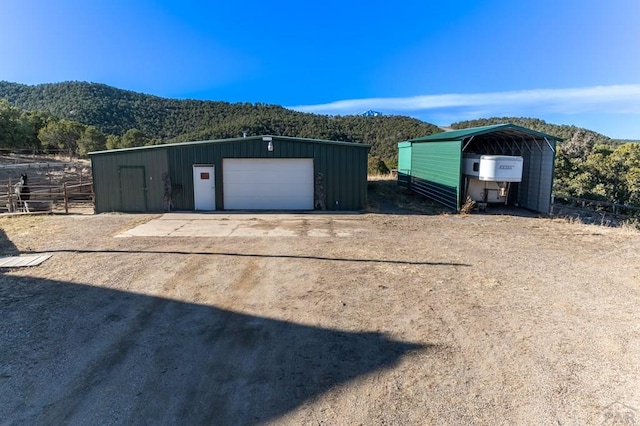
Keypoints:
pixel 432 165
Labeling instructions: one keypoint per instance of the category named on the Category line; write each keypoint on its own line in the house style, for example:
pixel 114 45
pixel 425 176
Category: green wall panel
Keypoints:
pixel 436 171
pixel 404 159
pixel 343 166
pixel 117 185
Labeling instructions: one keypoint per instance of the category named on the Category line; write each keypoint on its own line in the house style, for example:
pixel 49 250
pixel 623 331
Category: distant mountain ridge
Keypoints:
pixel 115 111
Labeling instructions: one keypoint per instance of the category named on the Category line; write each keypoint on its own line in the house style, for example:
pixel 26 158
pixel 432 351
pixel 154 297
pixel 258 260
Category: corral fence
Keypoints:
pixel 593 211
pixel 45 197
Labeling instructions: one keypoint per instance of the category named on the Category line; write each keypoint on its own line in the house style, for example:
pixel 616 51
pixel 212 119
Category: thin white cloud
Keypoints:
pixel 615 99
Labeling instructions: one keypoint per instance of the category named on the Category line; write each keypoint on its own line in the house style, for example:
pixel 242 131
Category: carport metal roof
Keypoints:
pixel 436 162
pixel 506 131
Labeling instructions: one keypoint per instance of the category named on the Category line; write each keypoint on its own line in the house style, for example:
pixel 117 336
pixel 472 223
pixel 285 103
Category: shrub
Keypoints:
pixel 377 167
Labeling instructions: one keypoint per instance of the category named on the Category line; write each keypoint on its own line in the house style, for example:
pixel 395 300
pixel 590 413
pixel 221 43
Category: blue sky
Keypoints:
pixel 564 61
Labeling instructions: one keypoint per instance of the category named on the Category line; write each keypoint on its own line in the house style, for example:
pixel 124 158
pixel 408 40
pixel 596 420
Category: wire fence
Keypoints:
pixel 593 211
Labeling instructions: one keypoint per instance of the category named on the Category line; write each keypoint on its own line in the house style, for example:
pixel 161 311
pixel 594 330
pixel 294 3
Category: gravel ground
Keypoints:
pixel 410 319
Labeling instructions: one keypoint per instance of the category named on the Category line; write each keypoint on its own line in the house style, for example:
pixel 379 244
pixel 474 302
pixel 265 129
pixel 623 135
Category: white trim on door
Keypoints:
pixel 204 187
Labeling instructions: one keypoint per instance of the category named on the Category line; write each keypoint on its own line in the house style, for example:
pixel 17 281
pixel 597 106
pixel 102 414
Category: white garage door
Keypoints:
pixel 267 184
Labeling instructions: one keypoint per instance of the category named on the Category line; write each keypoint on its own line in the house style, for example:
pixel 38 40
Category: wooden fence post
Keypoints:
pixel 10 207
pixel 66 199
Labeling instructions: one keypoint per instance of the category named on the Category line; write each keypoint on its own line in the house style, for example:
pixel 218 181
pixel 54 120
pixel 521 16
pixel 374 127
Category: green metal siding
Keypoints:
pixel 116 180
pixel 436 162
pixel 436 171
pixel 345 175
pixel 116 173
pixel 132 184
pixel 344 167
pixel 404 164
pixel 404 159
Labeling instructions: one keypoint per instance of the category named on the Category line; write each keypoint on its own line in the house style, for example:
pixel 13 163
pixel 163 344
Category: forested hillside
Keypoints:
pixel 562 131
pixel 76 118
pixel 160 120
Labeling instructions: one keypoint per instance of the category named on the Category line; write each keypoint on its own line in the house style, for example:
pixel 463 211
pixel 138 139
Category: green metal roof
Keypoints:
pixel 242 139
pixel 504 130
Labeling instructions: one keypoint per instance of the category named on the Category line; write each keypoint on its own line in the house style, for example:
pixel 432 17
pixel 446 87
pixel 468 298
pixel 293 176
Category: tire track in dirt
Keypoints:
pixel 247 280
pixel 537 329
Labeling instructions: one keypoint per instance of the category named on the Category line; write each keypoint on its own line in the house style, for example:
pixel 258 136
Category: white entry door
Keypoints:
pixel 267 184
pixel 204 187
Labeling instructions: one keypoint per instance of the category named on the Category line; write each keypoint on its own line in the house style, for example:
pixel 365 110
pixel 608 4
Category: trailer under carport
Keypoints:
pixel 432 165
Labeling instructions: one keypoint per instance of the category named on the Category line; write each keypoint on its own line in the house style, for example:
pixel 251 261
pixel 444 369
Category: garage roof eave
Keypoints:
pixel 507 130
pixel 231 140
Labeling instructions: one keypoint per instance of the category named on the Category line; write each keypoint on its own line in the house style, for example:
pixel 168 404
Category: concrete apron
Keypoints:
pixel 246 225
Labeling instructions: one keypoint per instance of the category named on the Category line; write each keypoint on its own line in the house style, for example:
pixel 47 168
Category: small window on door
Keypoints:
pixel 204 175
pixel 476 167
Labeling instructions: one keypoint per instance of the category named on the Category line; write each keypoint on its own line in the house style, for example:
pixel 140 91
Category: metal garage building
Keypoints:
pixel 252 173
pixel 433 165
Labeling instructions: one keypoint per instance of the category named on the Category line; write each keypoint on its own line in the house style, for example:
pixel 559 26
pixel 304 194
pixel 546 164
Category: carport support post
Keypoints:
pixel 66 199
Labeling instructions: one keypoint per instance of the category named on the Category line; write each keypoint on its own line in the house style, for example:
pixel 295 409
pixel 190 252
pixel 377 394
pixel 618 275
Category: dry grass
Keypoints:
pixel 631 225
pixel 385 196
pixel 516 318
pixel 382 177
pixel 628 225
pixel 16 223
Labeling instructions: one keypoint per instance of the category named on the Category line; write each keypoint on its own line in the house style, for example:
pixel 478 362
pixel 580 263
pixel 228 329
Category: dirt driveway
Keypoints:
pixel 361 319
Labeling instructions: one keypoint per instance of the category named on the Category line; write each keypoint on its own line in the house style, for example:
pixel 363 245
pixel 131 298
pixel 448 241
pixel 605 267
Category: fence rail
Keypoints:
pixel 596 205
pixel 44 198
pixel 593 211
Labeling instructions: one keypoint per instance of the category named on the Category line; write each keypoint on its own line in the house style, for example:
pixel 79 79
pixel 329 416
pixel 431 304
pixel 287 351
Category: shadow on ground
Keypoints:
pixel 79 354
pixel 386 197
pixel 7 248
